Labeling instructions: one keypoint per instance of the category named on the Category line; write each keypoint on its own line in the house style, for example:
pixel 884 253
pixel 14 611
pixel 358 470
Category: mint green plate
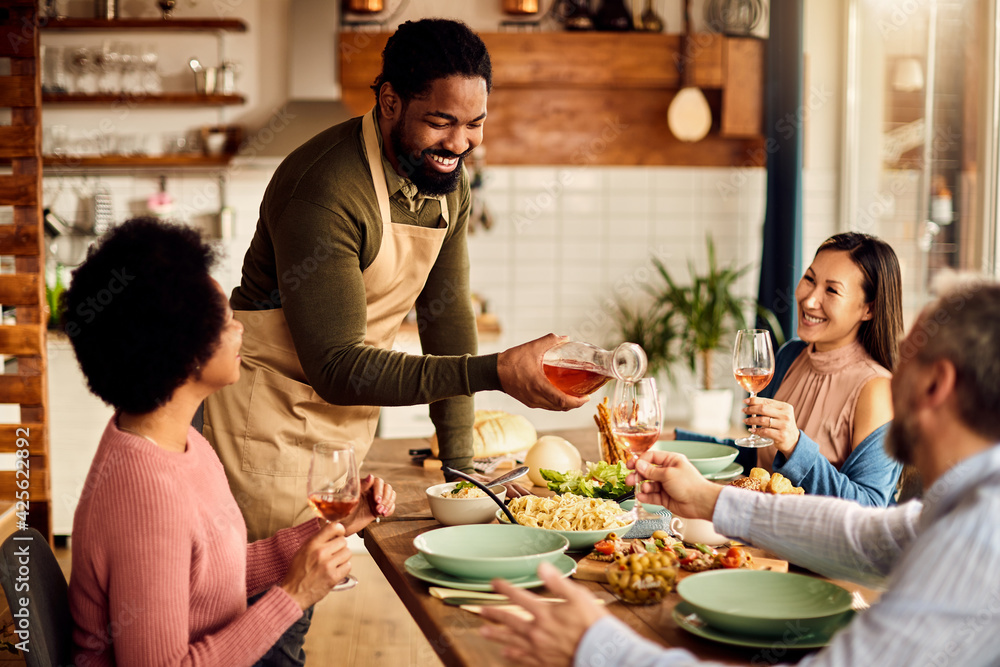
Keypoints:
pixel 730 471
pixel 579 540
pixel 418 566
pixel 487 551
pixel 685 616
pixel 765 604
pixel 707 457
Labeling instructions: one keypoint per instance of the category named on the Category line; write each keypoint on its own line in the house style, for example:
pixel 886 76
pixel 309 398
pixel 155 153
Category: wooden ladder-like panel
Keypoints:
pixel 20 189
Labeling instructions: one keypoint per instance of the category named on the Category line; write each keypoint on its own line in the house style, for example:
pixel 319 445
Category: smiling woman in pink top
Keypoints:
pixel 161 565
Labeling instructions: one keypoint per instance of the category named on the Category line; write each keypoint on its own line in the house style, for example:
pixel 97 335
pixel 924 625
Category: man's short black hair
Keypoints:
pixel 421 52
pixel 143 313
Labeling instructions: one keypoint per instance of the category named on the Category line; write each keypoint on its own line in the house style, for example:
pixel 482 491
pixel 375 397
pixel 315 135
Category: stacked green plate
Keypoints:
pixel 766 604
pixel 486 551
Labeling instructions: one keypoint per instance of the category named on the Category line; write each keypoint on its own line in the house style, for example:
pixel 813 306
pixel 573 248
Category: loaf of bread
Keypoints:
pixel 497 432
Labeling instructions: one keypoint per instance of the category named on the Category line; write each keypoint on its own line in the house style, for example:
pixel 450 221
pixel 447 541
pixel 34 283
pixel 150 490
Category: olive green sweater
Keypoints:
pixel 319 228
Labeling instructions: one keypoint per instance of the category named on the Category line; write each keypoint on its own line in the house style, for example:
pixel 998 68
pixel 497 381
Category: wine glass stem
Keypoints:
pixel 753 428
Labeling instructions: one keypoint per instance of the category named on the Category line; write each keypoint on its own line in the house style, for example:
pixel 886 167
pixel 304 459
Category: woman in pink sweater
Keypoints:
pixel 161 565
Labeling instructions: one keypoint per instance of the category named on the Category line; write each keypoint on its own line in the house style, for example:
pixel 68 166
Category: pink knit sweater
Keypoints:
pixel 161 565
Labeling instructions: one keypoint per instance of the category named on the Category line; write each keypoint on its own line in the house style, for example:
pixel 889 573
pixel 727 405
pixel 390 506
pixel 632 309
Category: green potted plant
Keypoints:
pixel 706 312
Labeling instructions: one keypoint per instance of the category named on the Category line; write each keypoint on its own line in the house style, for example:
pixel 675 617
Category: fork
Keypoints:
pixel 858 603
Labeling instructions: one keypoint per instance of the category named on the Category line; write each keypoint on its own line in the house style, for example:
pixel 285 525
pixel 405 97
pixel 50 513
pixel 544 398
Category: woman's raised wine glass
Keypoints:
pixel 753 366
pixel 334 487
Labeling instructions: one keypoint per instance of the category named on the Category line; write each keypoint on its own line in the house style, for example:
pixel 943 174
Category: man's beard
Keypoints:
pixel 414 165
pixel 903 439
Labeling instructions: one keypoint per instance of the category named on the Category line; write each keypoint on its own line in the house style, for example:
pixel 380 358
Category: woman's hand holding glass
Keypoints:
pixel 775 420
pixel 753 366
pixel 378 499
pixel 319 566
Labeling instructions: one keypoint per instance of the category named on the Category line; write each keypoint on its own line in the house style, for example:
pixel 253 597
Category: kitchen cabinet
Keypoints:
pixel 213 27
pixel 591 98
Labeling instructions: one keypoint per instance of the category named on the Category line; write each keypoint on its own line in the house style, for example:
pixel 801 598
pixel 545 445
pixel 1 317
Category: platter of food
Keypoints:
pixel 583 521
pixel 690 558
pixel 765 482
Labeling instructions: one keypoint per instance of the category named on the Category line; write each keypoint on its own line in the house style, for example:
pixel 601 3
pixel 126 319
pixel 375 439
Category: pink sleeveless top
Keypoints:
pixel 823 388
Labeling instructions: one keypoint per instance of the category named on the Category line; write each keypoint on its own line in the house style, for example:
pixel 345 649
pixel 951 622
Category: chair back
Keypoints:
pixel 29 572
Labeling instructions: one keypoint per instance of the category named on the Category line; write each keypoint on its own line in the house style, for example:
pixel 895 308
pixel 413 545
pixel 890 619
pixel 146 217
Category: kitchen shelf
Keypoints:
pixel 195 160
pixel 162 99
pixel 189 25
pixel 601 98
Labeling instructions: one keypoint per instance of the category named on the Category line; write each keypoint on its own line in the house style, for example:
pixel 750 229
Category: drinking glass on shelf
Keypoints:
pixel 334 488
pixel 635 414
pixel 753 366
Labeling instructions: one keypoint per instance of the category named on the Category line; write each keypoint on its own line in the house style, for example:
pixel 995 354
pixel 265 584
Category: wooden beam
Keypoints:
pixel 37 486
pixel 17 91
pixel 19 190
pixel 16 142
pixel 33 434
pixel 19 289
pixel 19 240
pixel 21 339
pixel 25 389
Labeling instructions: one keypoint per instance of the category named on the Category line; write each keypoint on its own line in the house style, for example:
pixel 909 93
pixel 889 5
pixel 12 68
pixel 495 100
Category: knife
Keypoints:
pixel 459 601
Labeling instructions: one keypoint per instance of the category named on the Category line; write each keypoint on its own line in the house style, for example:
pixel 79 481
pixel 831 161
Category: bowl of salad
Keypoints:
pixel 458 503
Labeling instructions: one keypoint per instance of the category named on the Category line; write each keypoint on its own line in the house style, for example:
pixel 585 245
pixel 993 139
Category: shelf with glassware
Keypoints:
pixel 145 99
pixel 121 76
pixel 178 24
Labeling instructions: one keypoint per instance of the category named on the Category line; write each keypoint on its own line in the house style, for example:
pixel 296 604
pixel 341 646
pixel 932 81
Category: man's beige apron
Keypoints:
pixel 264 426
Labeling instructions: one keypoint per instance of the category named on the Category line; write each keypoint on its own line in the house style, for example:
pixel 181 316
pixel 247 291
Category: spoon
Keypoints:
pixel 458 473
pixel 516 473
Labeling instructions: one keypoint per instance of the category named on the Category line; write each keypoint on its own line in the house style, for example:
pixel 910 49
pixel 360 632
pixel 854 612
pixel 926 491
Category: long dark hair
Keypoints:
pixel 883 288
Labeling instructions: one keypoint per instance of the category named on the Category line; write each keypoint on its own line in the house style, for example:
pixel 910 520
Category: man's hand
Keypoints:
pixel 378 499
pixel 552 637
pixel 673 482
pixel 521 376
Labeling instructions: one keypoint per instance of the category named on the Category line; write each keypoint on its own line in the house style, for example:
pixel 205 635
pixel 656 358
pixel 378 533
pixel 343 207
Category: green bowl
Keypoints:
pixel 579 540
pixel 707 457
pixel 487 551
pixel 763 603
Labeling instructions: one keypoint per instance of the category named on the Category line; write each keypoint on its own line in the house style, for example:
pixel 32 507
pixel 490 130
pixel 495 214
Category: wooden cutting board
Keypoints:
pixel 594 570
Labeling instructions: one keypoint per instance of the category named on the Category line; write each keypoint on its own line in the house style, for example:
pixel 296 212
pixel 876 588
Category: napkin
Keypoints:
pixel 643 528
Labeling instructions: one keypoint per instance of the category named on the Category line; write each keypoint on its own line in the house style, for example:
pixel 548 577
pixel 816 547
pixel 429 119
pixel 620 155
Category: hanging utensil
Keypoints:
pixel 689 117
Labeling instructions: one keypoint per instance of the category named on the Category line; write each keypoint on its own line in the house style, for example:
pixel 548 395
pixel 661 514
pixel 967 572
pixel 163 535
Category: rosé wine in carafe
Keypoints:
pixel 580 369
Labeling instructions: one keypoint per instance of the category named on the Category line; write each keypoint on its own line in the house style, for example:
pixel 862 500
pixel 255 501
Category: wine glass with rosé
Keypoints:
pixel 334 488
pixel 635 414
pixel 753 366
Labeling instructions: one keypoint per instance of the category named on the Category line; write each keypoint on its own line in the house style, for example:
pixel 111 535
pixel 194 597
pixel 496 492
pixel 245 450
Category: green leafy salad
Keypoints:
pixel 600 480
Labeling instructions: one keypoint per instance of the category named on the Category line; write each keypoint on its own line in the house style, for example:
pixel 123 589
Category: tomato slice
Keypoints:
pixel 606 547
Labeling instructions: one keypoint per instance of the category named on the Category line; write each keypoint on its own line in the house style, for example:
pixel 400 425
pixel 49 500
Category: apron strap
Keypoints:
pixel 375 164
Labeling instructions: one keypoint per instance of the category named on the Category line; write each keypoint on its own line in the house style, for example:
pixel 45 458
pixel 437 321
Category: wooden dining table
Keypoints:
pixel 454 632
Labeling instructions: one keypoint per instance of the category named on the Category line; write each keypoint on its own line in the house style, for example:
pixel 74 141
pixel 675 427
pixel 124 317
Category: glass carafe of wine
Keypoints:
pixel 580 369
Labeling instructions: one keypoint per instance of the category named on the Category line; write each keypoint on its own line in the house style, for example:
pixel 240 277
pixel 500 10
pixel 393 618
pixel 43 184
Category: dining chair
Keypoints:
pixel 29 571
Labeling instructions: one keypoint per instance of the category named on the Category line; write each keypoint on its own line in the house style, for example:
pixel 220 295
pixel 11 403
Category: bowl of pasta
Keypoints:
pixel 489 551
pixel 581 520
pixel 458 503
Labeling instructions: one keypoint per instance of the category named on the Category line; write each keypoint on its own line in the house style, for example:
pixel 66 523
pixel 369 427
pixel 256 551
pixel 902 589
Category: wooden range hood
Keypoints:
pixel 590 98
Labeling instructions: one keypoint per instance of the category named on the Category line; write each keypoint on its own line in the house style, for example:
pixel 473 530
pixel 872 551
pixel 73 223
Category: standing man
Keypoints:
pixel 358 225
pixel 939 559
